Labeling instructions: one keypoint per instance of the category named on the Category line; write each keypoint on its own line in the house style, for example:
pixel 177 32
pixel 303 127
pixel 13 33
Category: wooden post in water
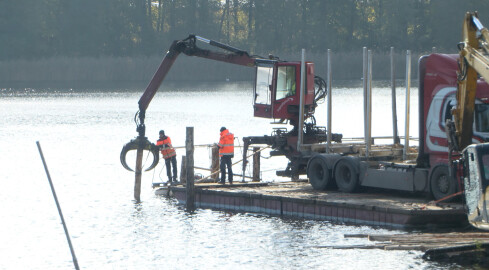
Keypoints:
pixel 215 161
pixel 138 174
pixel 256 164
pixel 189 146
pixel 183 170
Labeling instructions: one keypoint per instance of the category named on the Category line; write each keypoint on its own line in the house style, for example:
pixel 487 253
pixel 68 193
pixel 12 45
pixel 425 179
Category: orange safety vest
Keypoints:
pixel 167 149
pixel 226 143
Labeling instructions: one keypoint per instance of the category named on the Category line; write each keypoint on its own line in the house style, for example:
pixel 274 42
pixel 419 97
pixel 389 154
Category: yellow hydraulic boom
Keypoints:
pixel 473 60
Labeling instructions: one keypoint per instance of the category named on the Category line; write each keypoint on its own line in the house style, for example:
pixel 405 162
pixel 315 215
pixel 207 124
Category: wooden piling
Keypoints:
pixel 138 173
pixel 183 170
pixel 256 164
pixel 190 190
pixel 215 161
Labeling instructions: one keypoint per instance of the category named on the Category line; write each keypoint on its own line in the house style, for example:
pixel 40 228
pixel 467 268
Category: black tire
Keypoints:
pixel 442 185
pixel 318 173
pixel 346 175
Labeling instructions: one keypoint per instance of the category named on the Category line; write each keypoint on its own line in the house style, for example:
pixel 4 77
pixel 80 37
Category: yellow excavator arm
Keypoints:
pixel 473 60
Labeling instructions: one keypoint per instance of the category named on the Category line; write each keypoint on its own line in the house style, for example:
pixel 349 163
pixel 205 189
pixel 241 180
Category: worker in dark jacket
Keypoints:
pixel 169 154
pixel 226 152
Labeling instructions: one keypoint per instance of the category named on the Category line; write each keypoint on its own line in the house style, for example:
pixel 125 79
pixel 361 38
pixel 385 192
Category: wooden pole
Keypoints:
pixel 189 146
pixel 215 161
pixel 138 173
pixel 75 261
pixel 183 170
pixel 256 164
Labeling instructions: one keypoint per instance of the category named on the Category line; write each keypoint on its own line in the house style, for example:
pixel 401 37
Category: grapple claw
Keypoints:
pixel 140 143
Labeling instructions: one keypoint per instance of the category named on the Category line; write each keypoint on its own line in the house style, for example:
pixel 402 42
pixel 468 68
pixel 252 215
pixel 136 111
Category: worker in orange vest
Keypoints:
pixel 169 154
pixel 226 152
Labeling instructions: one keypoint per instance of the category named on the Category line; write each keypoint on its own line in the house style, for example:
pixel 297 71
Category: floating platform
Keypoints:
pixel 300 200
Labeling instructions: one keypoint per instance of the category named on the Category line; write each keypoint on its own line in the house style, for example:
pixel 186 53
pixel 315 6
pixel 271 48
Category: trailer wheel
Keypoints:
pixel 442 184
pixel 346 175
pixel 318 173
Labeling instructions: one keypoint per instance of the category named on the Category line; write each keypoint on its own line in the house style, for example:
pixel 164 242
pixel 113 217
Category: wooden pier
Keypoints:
pixel 300 200
pixel 466 248
pixel 420 241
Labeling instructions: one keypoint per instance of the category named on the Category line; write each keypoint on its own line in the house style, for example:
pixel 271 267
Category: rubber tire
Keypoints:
pixel 346 175
pixel 441 185
pixel 318 173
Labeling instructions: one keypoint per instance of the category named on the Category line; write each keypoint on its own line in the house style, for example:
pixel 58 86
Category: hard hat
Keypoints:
pixel 222 129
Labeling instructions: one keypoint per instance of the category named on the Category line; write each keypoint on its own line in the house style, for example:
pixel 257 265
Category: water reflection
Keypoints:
pixel 82 134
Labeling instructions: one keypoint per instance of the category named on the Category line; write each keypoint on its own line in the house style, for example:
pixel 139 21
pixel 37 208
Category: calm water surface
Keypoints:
pixel 82 133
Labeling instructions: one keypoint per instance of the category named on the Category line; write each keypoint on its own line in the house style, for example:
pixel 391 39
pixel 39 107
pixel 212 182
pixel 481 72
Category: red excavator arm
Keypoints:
pixel 277 92
pixel 188 47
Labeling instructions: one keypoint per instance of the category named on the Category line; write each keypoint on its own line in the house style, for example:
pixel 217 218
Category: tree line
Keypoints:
pixel 36 30
pixel 45 28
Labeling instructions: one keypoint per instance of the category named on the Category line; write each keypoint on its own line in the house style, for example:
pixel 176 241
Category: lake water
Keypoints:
pixel 82 133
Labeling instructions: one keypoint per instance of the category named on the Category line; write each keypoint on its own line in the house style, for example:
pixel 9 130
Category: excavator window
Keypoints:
pixel 285 82
pixel 485 166
pixel 481 117
pixel 264 77
pixel 448 111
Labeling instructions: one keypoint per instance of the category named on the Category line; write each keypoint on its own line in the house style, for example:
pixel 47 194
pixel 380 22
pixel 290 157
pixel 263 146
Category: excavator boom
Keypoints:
pixel 473 60
pixel 188 47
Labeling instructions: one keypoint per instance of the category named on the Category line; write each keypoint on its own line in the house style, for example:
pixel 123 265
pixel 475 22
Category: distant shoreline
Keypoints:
pixel 136 72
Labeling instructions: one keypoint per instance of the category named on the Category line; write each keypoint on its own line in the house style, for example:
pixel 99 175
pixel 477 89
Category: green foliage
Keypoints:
pixel 35 29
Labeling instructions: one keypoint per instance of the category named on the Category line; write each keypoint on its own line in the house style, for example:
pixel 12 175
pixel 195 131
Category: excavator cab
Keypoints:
pixel 277 90
pixel 476 184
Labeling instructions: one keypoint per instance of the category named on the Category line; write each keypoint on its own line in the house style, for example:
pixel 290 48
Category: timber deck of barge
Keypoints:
pixel 300 200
